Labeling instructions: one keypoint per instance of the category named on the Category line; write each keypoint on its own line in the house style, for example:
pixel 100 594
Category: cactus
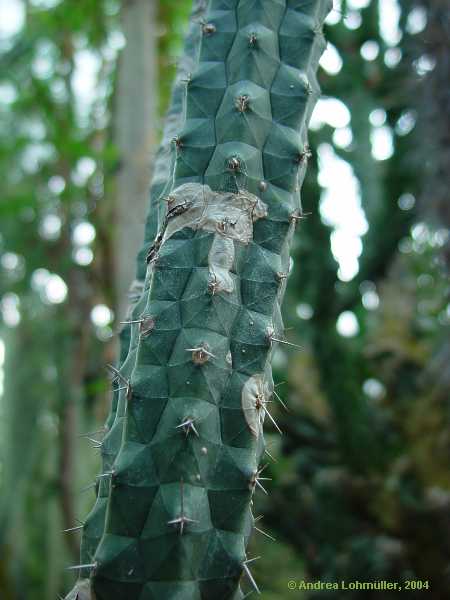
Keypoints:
pixel 194 386
pixel 93 526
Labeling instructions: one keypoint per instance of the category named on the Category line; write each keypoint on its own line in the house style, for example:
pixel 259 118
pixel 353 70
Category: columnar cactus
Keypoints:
pixel 194 387
pixel 93 527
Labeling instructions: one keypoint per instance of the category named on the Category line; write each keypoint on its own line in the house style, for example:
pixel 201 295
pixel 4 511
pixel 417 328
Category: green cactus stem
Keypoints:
pixel 93 527
pixel 197 382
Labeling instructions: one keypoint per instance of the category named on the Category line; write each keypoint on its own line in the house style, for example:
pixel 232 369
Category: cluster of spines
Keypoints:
pixel 189 461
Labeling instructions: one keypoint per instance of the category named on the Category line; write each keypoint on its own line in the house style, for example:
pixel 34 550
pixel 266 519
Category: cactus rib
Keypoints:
pixel 179 503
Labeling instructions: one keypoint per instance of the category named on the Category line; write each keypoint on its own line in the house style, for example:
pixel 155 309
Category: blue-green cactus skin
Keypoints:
pixel 178 493
pixel 95 522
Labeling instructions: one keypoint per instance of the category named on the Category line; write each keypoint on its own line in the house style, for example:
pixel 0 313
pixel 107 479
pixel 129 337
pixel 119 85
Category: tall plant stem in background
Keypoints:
pixel 135 133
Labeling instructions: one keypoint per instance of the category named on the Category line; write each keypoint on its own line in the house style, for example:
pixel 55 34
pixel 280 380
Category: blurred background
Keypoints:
pixel 360 484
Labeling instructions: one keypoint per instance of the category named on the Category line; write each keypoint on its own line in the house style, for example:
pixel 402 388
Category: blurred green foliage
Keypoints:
pixel 361 484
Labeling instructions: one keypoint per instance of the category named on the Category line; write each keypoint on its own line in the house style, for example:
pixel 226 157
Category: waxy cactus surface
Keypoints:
pixel 183 456
pixel 94 524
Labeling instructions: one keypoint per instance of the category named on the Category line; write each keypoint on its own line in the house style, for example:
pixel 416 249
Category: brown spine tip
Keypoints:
pixel 188 426
pixel 208 28
pixel 304 155
pixel 307 152
pixel 212 287
pixel 187 80
pixel 201 355
pixel 147 325
pixel 297 216
pixel 177 141
pixel 252 39
pixel 242 103
pixel 234 164
pixel 259 401
pixel 224 225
